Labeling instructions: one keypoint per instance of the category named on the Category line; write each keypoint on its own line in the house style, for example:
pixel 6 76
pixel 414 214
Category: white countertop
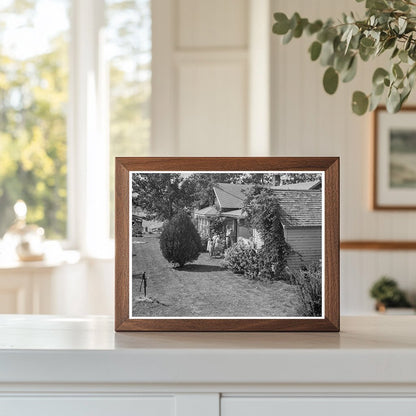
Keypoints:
pixel 53 349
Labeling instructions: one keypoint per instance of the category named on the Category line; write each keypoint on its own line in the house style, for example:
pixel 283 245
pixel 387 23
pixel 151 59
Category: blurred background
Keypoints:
pixel 83 81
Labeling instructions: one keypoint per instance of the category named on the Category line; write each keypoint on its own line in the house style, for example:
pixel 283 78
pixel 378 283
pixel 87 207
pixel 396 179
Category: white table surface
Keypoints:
pixel 49 349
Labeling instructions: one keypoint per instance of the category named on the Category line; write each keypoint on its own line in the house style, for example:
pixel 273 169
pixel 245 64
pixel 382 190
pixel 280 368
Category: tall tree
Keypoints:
pixel 159 195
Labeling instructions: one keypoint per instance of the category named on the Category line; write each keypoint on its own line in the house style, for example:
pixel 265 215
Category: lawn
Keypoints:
pixel 203 288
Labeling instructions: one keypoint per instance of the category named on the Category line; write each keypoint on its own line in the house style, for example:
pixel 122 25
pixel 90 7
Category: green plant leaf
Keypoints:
pixel 395 52
pixel 397 71
pixel 379 75
pixel 315 50
pixel 403 56
pixel 367 42
pixel 327 53
pixel 281 27
pixel 351 71
pixel 341 61
pixel 288 37
pixel 314 27
pixel 374 102
pixel 389 43
pixel 359 103
pixel 330 80
pixel 298 30
pixel 393 101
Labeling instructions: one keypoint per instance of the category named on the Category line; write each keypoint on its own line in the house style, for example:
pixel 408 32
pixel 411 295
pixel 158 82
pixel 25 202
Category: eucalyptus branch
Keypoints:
pixel 390 25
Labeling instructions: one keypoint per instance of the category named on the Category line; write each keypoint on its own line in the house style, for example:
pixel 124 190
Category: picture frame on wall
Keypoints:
pixel 227 244
pixel 394 159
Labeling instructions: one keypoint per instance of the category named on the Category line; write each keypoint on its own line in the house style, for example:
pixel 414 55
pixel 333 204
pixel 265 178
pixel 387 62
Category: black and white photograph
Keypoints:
pixel 226 244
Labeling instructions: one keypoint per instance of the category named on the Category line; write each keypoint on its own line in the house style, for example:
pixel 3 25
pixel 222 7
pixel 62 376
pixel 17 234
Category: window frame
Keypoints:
pixel 87 133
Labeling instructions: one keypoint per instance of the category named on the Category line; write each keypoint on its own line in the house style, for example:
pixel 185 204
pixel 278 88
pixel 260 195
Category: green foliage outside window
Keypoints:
pixel 33 100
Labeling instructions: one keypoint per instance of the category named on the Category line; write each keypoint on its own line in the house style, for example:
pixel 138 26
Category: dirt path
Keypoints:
pixel 203 288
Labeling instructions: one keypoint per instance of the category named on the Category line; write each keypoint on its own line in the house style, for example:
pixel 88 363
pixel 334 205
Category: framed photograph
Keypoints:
pixel 227 244
pixel 394 159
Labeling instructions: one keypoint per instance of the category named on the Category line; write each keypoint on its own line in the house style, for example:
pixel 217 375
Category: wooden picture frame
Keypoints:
pixel 391 174
pixel 326 167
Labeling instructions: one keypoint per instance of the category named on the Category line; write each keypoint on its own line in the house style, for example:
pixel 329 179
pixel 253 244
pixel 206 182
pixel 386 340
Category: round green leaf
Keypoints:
pixel 367 42
pixel 359 103
pixel 330 80
pixel 351 71
pixel 379 75
pixel 282 25
pixel 378 90
pixel 314 27
pixel 315 50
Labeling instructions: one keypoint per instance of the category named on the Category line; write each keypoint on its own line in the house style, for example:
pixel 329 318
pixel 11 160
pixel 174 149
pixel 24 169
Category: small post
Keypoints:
pixel 144 280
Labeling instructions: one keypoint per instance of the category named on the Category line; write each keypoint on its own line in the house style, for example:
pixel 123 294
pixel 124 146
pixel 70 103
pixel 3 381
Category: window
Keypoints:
pixel 129 43
pixel 75 87
pixel 33 103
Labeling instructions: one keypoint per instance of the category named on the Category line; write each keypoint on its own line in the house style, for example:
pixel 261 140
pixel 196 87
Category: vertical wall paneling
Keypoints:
pixel 200 84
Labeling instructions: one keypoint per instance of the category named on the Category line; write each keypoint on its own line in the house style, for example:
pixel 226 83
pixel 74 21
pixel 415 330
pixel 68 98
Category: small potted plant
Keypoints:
pixel 387 294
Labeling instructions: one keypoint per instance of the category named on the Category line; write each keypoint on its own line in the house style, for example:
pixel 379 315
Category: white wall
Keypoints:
pixel 308 122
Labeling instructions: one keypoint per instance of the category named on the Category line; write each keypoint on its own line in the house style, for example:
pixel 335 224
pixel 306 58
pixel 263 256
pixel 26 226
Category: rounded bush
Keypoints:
pixel 242 258
pixel 180 242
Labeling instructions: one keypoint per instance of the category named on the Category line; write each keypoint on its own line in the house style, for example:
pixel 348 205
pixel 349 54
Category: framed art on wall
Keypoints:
pixel 394 159
pixel 227 244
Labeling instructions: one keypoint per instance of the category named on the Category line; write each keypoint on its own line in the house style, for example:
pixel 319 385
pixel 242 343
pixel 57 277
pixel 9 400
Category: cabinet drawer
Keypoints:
pixel 87 406
pixel 273 406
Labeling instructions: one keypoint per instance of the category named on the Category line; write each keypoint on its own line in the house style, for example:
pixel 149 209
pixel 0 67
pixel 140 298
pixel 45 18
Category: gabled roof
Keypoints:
pixel 236 213
pixel 299 186
pixel 301 207
pixel 230 195
pixel 207 212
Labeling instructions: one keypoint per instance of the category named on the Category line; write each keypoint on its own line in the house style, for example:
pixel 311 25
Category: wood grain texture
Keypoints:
pixel 378 245
pixel 376 205
pixel 330 165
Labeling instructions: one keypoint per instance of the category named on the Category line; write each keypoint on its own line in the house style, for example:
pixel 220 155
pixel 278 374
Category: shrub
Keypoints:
pixel 387 292
pixel 180 242
pixel 265 215
pixel 309 285
pixel 242 258
pixel 217 225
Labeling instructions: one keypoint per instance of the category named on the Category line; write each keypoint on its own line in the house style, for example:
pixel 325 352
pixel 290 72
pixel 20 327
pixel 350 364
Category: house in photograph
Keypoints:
pixel 302 217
